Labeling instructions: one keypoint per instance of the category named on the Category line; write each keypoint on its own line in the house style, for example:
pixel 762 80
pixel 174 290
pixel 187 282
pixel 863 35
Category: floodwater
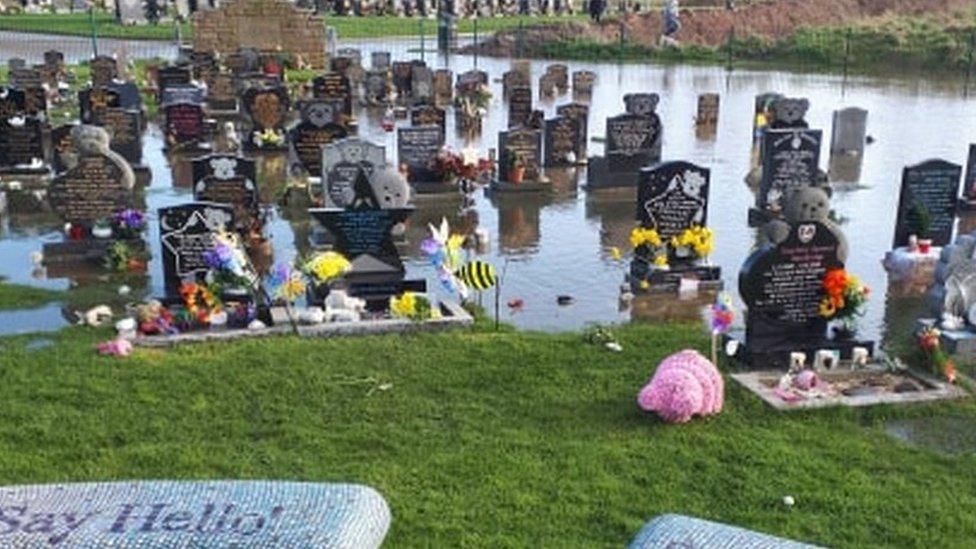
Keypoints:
pixel 555 244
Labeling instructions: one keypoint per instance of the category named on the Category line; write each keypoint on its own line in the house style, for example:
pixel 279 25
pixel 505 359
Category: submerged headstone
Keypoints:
pixel 927 202
pixel 849 131
pixel 98 186
pixel 231 180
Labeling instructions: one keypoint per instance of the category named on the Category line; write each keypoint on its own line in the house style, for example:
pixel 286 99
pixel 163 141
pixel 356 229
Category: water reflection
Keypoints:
pixel 557 243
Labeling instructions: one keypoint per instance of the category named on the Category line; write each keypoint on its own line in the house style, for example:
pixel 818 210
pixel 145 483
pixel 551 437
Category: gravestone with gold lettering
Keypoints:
pixel 319 126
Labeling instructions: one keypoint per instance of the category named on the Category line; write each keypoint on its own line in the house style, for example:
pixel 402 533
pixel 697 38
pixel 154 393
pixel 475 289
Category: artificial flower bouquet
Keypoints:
pixel 324 270
pixel 649 245
pixel 696 241
pixel 452 166
pixel 413 306
pixel 844 299
pixel 269 138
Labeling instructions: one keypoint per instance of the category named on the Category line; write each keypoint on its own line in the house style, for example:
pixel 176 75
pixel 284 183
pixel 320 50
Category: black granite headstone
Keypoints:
pixel 523 144
pixel 673 197
pixel 186 233
pixel 790 160
pixel 562 141
pixel 519 106
pixel 231 180
pixel 318 128
pixel 417 147
pixel 428 115
pixel 21 142
pixel 124 127
pixel 184 125
pixel 633 141
pixel 334 86
pixel 91 100
pixel 969 184
pixel 92 190
pixel 362 234
pixel 930 189
pixel 580 113
pixel 782 286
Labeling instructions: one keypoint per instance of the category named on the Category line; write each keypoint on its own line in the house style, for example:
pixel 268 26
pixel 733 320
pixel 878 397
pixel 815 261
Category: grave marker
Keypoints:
pixel 318 128
pixel 790 160
pixel 231 180
pixel 417 147
pixel 186 233
pixel 519 106
pixel 929 189
pixel 561 141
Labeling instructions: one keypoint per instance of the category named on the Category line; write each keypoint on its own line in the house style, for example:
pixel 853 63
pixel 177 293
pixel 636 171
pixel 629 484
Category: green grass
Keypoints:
pixel 78 24
pixel 901 43
pixel 19 296
pixel 482 439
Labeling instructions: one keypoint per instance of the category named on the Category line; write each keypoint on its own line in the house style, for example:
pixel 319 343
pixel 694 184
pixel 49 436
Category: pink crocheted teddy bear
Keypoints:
pixel 685 384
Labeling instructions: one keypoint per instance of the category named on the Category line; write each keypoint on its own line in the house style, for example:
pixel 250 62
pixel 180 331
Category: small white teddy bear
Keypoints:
pixel 341 307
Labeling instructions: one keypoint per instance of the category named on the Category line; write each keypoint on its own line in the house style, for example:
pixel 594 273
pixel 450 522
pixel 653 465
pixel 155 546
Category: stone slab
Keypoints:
pixel 674 531
pixel 454 316
pixel 158 514
pixel 933 390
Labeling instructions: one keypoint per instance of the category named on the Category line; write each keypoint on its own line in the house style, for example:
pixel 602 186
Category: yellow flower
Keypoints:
pixel 615 253
pixel 293 289
pixel 661 260
pixel 328 266
pixel 640 236
pixel 404 306
pixel 455 241
pixel 645 285
pixel 827 308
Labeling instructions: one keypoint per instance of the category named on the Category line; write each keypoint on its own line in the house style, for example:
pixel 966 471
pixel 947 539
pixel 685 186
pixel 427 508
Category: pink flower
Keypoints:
pixel 685 384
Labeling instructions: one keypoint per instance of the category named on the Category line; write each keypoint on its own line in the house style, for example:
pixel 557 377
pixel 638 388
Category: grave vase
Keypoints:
pixel 844 329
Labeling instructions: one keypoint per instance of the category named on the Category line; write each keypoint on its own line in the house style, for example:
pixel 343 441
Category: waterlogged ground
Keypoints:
pixel 559 244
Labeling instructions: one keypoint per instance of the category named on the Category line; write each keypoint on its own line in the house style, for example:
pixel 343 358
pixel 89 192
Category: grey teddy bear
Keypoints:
pixel 803 205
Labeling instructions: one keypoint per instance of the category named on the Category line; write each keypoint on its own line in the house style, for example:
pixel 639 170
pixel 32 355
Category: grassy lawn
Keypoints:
pixel 477 438
pixel 348 27
pixel 876 46
pixel 19 296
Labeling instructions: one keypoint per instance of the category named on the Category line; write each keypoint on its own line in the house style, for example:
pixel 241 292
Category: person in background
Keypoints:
pixel 597 7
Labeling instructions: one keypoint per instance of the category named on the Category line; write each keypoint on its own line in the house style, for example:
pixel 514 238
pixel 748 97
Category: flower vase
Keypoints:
pixel 317 293
pixel 844 330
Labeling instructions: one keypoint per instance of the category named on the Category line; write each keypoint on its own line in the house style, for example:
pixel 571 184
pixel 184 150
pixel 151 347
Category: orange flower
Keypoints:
pixel 950 371
pixel 834 282
pixel 837 301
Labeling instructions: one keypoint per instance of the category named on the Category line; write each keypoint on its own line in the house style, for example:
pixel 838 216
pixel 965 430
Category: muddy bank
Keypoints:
pixel 775 20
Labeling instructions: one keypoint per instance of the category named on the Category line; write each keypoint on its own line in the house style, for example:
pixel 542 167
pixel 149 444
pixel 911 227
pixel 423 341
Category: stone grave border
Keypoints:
pixel 935 390
pixel 453 317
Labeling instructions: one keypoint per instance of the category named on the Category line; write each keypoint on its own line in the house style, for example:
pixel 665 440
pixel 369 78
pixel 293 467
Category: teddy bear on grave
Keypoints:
pixel 390 188
pixel 804 205
pixel 94 141
pixel 788 113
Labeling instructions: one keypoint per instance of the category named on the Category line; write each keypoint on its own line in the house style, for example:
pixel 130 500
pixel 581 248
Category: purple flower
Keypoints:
pixel 219 257
pixel 430 246
pixel 131 219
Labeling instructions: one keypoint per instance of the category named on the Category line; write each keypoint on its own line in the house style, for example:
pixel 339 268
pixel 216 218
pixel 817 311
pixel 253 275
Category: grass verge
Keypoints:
pixel 78 24
pixel 892 43
pixel 19 296
pixel 478 438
